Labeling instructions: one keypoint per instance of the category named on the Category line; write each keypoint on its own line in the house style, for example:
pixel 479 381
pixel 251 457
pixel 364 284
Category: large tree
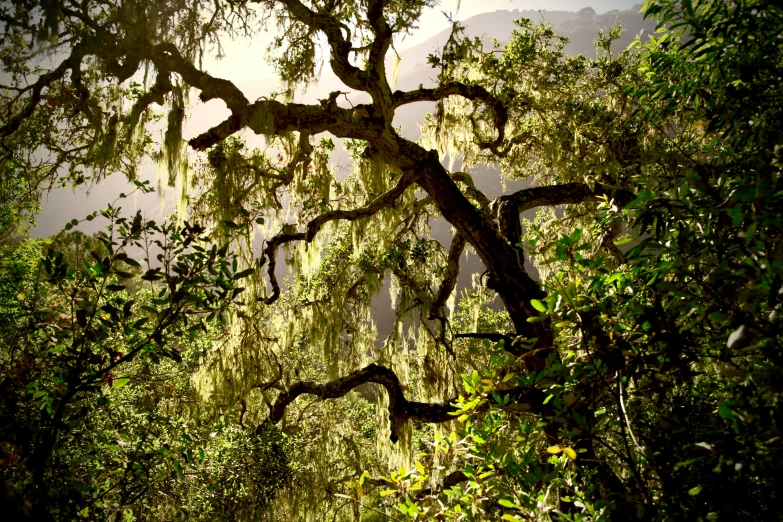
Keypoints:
pixel 590 383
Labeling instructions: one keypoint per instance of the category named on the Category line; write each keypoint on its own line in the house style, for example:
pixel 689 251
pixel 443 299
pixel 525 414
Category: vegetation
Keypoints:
pixel 619 358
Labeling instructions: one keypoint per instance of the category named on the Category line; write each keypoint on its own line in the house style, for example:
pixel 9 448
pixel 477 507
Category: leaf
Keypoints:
pixel 115 288
pixel 509 504
pixel 152 275
pixel 387 492
pixel 538 305
pixel 570 452
pixel 132 262
pixel 695 490
pixel 244 273
pixel 554 450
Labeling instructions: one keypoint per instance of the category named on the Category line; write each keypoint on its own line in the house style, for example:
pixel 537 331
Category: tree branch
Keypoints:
pixel 400 408
pixel 351 75
pixel 73 61
pixel 269 256
pixel 450 277
pixel 568 193
pixel 515 287
pixel 271 117
pixel 471 92
pixel 384 200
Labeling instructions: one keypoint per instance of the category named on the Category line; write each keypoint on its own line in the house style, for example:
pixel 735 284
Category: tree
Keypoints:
pixel 636 383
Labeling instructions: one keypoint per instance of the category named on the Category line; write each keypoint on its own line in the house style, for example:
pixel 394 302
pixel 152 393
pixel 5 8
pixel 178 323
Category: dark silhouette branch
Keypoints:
pixel 386 199
pixel 72 62
pixel 475 194
pixel 471 92
pixel 449 282
pixel 400 408
pixel 269 254
pixel 494 337
pixel 566 194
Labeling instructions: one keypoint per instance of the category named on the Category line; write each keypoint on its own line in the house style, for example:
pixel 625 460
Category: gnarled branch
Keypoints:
pixel 565 194
pixel 400 408
pixel 72 62
pixel 450 277
pixel 471 92
pixel 384 200
pixel 341 48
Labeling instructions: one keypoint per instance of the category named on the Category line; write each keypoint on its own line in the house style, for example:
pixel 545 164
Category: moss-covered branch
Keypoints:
pixel 400 408
pixel 471 92
pixel 566 194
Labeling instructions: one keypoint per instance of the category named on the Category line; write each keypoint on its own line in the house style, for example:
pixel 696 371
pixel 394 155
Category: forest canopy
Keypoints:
pixel 615 356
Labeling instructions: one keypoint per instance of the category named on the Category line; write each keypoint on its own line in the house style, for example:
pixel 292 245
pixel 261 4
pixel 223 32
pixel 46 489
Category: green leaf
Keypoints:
pixel 695 490
pixel 244 273
pixel 509 504
pixel 538 305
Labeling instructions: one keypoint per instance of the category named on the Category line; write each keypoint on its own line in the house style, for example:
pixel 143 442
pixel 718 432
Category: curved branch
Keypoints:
pixel 167 56
pixel 269 256
pixel 386 199
pixel 270 251
pixel 568 193
pixel 400 408
pixel 471 92
pixel 341 48
pixel 450 277
pixel 478 196
pixel 264 116
pixel 377 58
pixel 73 62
